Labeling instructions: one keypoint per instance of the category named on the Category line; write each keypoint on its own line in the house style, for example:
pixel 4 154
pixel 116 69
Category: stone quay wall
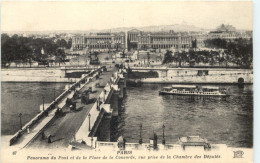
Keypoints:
pixel 38 74
pixel 196 75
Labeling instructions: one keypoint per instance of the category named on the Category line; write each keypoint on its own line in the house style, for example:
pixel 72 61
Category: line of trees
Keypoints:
pixel 238 51
pixel 27 49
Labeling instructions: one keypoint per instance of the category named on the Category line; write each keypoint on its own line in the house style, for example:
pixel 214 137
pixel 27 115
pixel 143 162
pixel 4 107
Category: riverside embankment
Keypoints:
pixel 193 75
pixel 48 74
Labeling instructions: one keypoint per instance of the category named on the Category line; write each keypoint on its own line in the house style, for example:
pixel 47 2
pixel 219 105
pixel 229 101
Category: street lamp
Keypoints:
pixel 20 116
pixel 54 94
pixel 91 141
pixel 140 140
pixel 163 141
pixel 43 103
pixel 89 121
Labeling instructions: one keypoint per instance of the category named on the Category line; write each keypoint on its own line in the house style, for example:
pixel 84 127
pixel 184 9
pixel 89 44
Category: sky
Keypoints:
pixel 49 16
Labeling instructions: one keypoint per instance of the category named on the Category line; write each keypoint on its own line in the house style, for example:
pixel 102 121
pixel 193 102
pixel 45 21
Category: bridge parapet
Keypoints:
pixel 60 101
pixel 95 115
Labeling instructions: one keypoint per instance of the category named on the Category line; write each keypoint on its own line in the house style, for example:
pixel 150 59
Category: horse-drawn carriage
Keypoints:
pixel 85 97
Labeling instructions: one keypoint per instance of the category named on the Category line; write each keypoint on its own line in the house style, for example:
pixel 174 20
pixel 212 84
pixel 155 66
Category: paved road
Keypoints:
pixel 64 128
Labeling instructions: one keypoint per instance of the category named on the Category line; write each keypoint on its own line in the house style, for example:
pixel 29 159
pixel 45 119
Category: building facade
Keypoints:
pixel 227 35
pixel 133 39
pixel 139 40
pixel 158 40
pixel 99 41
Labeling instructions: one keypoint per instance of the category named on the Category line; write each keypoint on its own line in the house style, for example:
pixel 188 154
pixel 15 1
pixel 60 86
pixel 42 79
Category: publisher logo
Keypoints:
pixel 238 154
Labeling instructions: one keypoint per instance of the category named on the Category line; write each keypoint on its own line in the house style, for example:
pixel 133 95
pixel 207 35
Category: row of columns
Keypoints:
pixel 133 37
pixel 79 42
pixel 100 46
pixel 77 46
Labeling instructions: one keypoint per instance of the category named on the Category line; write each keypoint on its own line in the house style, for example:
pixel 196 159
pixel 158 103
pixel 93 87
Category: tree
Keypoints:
pixel 168 58
pixel 60 56
pixel 69 44
pixel 216 43
pixel 14 49
pixel 239 51
pixel 7 49
pixel 26 49
pixel 61 43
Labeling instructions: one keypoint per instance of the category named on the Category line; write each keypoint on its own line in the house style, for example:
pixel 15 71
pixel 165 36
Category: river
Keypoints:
pixel 220 120
pixel 24 98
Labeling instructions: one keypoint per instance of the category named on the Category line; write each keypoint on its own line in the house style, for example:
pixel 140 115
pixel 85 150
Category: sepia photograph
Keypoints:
pixel 127 81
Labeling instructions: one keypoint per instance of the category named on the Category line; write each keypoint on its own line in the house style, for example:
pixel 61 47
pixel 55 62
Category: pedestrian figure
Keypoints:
pixel 71 108
pixel 43 135
pixel 49 138
pixel 28 129
pixel 46 113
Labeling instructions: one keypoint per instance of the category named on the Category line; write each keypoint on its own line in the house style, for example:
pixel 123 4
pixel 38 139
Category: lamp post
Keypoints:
pixel 140 140
pixel 54 94
pixel 43 103
pixel 163 141
pixel 20 116
pixel 91 141
pixel 89 121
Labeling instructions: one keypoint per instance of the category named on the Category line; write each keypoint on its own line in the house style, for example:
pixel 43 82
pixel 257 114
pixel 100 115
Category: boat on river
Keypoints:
pixel 194 90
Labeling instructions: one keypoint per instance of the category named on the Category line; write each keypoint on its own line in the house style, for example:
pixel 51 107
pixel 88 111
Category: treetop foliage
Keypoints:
pixel 239 51
pixel 28 49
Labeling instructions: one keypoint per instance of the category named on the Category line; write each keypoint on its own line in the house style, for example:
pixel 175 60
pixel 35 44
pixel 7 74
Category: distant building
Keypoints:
pixel 140 40
pixel 227 35
pixel 158 40
pixel 228 32
pixel 99 41
pixel 199 39
pixel 132 40
pixel 226 28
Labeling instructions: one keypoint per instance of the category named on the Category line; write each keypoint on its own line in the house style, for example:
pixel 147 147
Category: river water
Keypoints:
pixel 24 98
pixel 220 120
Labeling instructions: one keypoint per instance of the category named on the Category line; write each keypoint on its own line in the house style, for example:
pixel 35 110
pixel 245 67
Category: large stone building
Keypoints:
pixel 133 39
pixel 227 35
pixel 99 41
pixel 158 40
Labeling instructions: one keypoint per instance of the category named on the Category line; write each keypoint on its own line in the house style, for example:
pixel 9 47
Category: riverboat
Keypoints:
pixel 194 90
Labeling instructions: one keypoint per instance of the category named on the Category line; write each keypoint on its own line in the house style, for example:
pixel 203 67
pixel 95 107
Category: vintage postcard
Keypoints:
pixel 127 81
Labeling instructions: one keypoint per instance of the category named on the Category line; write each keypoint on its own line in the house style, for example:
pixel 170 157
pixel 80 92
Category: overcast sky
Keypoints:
pixel 42 16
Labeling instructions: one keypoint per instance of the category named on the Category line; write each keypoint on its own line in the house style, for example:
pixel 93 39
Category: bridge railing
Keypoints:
pixel 95 114
pixel 57 100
